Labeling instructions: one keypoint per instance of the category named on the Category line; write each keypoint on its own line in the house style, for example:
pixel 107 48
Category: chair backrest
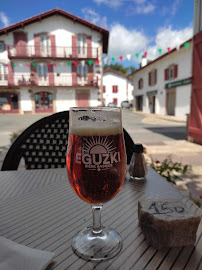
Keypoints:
pixel 43 145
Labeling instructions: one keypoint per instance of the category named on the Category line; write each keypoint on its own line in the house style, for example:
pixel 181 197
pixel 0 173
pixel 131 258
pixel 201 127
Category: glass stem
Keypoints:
pixel 97 229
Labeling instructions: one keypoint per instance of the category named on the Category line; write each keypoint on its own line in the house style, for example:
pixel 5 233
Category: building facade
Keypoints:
pixel 117 87
pixel 163 86
pixel 51 62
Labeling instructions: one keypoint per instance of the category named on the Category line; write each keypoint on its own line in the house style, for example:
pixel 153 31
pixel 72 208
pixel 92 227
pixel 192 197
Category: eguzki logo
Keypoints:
pixel 98 154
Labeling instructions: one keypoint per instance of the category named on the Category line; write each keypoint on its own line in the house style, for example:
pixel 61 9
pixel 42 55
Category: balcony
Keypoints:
pixel 50 80
pixel 55 52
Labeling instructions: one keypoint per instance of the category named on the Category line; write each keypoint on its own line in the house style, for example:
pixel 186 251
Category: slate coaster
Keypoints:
pixel 167 223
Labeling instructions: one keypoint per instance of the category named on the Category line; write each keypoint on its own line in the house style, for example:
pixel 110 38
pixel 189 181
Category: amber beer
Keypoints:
pixel 96 164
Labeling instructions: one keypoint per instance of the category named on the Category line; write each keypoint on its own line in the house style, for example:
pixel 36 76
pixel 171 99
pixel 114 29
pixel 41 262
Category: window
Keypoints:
pixel 104 89
pixel 42 69
pixel 152 77
pixel 171 72
pixel 115 100
pixel 45 45
pixel 3 72
pixel 2 46
pixel 115 89
pixel 140 83
pixel 82 70
pixel 82 45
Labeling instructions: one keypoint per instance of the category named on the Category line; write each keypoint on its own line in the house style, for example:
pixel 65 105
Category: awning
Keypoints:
pixel 152 93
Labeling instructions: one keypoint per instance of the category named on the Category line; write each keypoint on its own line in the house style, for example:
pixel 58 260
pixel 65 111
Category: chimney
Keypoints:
pixel 197 16
pixel 144 61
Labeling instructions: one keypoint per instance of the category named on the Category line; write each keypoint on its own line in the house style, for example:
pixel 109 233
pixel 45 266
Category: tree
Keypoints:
pixel 120 68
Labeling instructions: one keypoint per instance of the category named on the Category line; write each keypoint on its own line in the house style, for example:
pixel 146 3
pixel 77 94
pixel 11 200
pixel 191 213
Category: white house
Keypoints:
pixel 163 86
pixel 117 87
pixel 51 62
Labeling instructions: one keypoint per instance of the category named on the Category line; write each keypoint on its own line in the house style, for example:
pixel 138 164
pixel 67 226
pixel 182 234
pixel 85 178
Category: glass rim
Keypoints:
pixel 95 108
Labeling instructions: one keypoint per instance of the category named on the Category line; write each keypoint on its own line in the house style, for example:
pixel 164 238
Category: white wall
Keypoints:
pixel 183 58
pixel 25 100
pixel 110 79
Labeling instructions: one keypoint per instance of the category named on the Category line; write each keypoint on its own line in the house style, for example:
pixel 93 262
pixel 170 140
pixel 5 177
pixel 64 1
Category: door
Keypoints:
pixel 139 103
pixel 83 99
pixel 171 96
pixel 195 117
pixel 43 102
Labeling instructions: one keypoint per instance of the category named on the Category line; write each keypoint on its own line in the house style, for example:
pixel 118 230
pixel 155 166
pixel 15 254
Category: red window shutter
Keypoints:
pixel 175 71
pixel 74 46
pixel 74 74
pixel 20 43
pixel 90 74
pixel 155 76
pixel 33 76
pixel 51 75
pixel 115 100
pixel 166 74
pixel 149 79
pixel 10 75
pixel 53 48
pixel 37 44
pixel 89 47
pixel 104 89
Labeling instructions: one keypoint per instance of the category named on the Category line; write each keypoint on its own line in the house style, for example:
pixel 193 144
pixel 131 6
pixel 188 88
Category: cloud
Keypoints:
pixel 92 16
pixel 4 19
pixel 168 37
pixel 123 41
pixel 110 3
pixel 172 9
pixel 144 9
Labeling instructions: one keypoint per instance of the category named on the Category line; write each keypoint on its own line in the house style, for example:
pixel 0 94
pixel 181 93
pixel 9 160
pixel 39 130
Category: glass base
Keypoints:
pixel 97 247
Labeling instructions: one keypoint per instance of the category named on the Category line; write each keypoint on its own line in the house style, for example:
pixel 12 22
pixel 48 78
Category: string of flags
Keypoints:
pixel 137 55
pixel 83 62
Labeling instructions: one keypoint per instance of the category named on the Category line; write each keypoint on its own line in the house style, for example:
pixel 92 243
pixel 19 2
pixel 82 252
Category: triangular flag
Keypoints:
pixel 137 55
pixel 48 64
pixel 128 56
pixel 145 54
pixel 34 64
pixel 113 59
pixel 28 65
pixel 13 64
pixel 75 63
pixel 105 60
pixel 90 62
pixel 186 45
pixel 121 58
pixel 69 64
pixel 54 64
pixel 168 49
pixel 97 61
pixel 160 51
pixel 83 63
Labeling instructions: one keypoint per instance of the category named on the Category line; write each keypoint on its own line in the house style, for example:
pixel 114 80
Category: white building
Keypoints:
pixel 51 62
pixel 163 86
pixel 117 87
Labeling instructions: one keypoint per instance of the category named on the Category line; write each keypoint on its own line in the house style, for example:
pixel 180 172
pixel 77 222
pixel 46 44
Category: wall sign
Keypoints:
pixel 177 83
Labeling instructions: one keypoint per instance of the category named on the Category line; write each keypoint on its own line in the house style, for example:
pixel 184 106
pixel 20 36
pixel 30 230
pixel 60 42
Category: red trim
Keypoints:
pixel 115 100
pixel 104 89
pixel 166 74
pixel 104 32
pixel 89 47
pixel 37 44
pixel 10 74
pixel 53 48
pixel 33 75
pixel 74 46
pixel 114 88
pixel 74 75
pixel 51 75
pixel 20 43
pixel 175 71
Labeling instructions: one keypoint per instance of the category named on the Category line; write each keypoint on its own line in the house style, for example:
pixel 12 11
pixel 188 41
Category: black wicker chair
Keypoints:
pixel 43 144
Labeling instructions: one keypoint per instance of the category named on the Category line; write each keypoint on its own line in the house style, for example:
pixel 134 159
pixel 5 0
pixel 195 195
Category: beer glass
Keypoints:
pixel 96 167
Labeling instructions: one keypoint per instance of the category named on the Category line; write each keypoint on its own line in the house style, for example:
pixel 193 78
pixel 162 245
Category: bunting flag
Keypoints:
pixel 105 60
pixel 83 63
pixel 75 63
pixel 97 61
pixel 48 64
pixel 69 64
pixel 28 65
pixel 128 56
pixel 90 62
pixel 186 45
pixel 121 58
pixel 54 64
pixel 137 55
pixel 145 54
pixel 113 59
pixel 168 49
pixel 34 64
pixel 160 51
pixel 13 64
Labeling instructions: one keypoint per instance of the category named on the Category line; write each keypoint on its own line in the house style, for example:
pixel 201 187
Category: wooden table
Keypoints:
pixel 40 210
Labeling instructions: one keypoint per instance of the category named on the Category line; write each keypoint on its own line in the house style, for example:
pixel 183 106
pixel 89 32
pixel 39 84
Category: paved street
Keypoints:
pixel 161 136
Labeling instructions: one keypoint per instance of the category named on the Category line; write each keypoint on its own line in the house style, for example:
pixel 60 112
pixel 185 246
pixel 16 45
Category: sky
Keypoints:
pixel 136 26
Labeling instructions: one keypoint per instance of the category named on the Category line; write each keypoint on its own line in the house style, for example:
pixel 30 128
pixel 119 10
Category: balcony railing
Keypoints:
pixel 50 80
pixel 34 52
